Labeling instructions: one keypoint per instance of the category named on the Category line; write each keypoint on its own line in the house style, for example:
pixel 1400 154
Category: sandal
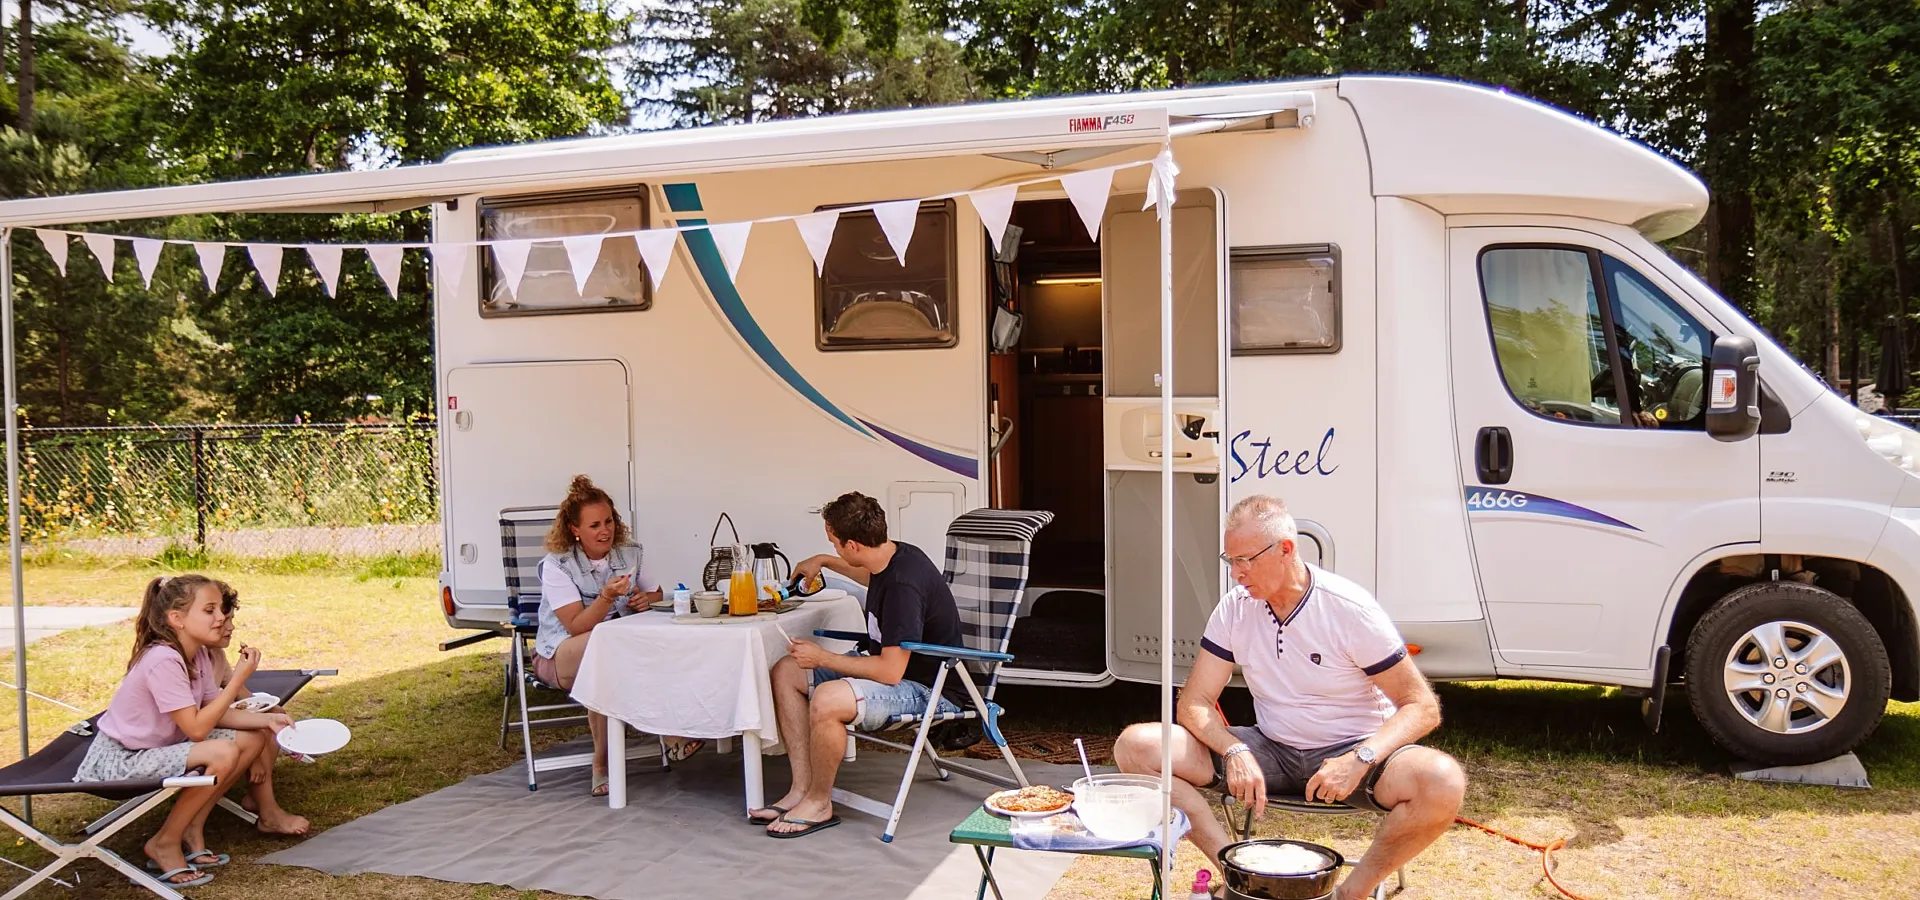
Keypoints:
pixel 679 752
pixel 219 859
pixel 777 810
pixel 166 877
pixel 599 785
pixel 810 828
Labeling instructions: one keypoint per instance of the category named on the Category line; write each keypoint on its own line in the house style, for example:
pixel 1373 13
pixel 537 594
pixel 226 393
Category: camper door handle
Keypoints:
pixel 1493 455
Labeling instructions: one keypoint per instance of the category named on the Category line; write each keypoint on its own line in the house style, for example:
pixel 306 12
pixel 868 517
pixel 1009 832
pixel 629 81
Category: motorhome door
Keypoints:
pixel 518 434
pixel 1589 480
pixel 1131 420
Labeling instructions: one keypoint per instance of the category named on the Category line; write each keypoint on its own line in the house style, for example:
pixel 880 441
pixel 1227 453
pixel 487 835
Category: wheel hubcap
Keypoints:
pixel 1787 677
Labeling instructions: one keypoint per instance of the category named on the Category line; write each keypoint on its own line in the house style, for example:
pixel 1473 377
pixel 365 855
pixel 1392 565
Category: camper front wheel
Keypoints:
pixel 1783 673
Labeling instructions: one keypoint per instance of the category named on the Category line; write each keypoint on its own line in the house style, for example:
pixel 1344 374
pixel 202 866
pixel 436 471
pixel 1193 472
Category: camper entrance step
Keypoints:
pixel 1840 771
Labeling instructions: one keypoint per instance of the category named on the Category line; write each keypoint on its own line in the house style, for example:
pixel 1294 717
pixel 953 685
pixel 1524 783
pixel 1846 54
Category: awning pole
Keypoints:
pixel 13 500
pixel 1165 212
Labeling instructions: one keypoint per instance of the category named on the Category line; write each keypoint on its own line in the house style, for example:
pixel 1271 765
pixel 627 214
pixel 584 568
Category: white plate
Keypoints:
pixel 997 810
pixel 256 703
pixel 314 737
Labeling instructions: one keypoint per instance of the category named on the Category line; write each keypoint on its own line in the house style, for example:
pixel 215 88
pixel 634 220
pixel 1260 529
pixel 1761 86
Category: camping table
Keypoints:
pixel 707 679
pixel 988 832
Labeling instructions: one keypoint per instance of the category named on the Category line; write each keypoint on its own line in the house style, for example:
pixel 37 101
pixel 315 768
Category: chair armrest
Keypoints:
pixel 854 636
pixel 317 672
pixel 956 652
pixel 189 781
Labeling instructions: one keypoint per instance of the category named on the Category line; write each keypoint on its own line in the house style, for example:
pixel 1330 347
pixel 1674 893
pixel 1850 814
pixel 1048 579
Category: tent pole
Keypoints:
pixel 13 498
pixel 1166 533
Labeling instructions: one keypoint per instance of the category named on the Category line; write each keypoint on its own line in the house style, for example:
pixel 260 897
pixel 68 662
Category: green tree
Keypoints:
pixel 700 62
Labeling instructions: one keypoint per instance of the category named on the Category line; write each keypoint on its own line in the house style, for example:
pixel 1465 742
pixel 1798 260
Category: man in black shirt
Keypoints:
pixel 818 693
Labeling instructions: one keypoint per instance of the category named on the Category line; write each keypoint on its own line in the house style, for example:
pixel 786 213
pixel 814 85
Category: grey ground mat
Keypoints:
pixel 684 834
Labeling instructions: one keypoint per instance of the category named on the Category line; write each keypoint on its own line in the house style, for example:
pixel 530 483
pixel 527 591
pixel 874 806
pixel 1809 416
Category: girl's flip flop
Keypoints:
pixel 219 859
pixel 166 877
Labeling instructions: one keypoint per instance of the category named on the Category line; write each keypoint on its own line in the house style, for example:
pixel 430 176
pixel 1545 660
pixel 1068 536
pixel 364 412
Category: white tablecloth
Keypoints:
pixel 701 680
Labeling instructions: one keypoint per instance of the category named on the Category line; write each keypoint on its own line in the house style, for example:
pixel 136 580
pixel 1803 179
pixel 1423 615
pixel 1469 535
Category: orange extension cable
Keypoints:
pixel 1546 852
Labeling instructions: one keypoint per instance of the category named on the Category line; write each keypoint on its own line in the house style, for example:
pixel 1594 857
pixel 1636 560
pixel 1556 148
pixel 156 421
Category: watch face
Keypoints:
pixel 1365 754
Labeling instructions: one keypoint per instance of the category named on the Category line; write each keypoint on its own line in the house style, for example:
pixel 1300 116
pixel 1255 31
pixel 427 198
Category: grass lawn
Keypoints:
pixel 1647 816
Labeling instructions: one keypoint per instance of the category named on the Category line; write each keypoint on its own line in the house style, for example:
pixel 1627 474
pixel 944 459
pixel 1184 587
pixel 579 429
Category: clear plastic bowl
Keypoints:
pixel 1118 807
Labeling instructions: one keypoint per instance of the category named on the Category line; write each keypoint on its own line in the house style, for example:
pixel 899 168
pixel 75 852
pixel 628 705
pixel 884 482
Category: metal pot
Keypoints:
pixel 1245 884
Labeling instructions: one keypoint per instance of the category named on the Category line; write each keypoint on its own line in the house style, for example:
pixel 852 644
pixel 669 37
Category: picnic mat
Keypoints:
pixel 683 834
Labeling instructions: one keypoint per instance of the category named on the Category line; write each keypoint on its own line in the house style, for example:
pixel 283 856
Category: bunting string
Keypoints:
pixel 1088 190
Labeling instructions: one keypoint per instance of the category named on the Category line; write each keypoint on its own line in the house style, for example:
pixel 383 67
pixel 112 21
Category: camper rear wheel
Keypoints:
pixel 1783 673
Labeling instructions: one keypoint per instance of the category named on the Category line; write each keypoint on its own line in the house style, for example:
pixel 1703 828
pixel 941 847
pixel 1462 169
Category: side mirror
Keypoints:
pixel 1733 389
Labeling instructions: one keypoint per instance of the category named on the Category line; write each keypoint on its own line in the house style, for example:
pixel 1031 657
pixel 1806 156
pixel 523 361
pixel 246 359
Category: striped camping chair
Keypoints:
pixel 523 536
pixel 987 559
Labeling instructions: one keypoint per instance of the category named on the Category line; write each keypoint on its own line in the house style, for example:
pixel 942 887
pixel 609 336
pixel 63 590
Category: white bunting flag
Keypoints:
pixel 102 247
pixel 583 253
pixel 656 250
pixel 451 263
pixel 212 258
pixel 146 252
pixel 326 261
pixel 386 261
pixel 266 261
pixel 995 206
pixel 56 244
pixel 1160 182
pixel 731 240
pixel 512 256
pixel 817 230
pixel 1088 190
pixel 896 222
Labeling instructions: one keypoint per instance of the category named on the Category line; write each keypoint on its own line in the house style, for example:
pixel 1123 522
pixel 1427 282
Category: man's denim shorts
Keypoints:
pixel 875 703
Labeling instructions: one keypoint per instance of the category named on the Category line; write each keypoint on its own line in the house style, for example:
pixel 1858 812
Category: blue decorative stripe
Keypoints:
pixel 1387 663
pixel 952 462
pixel 1216 649
pixel 1495 500
pixel 713 270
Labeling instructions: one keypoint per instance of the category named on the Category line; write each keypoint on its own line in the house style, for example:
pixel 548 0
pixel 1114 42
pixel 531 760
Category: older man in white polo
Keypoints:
pixel 1337 704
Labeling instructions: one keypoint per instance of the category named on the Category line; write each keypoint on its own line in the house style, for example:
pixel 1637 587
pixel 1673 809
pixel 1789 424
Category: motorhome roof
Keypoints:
pixel 1455 147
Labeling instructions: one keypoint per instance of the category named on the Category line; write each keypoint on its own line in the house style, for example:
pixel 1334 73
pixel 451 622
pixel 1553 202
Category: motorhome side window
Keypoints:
pixel 867 299
pixel 618 280
pixel 1617 351
pixel 1285 300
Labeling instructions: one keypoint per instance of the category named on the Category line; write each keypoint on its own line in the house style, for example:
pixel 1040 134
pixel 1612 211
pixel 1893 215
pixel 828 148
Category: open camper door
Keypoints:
pixel 515 434
pixel 1131 422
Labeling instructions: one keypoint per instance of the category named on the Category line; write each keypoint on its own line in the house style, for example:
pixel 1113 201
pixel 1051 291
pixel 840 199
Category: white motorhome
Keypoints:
pixel 1430 316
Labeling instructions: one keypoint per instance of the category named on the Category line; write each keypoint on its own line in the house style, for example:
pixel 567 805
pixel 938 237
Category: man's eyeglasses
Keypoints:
pixel 1248 560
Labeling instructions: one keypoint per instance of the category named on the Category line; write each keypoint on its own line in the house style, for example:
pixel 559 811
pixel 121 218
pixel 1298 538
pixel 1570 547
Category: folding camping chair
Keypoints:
pixel 987 555
pixel 51 770
pixel 523 536
pixel 282 683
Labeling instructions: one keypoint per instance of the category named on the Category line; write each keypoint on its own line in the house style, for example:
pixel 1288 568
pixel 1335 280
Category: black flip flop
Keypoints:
pixel 811 827
pixel 778 809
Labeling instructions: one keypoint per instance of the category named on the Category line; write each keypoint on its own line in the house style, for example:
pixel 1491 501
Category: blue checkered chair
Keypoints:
pixel 523 536
pixel 987 559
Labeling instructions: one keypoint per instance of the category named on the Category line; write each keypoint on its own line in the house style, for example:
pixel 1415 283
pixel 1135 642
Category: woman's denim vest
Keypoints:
pixel 622 558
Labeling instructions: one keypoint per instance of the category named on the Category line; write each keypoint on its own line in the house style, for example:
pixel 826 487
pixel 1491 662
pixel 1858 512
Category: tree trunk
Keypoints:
pixel 1832 356
pixel 1727 150
pixel 26 64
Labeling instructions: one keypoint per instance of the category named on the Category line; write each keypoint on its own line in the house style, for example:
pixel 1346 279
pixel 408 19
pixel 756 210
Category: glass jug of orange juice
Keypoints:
pixel 742 589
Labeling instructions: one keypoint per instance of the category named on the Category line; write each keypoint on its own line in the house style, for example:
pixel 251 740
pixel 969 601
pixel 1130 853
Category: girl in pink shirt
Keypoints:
pixel 169 716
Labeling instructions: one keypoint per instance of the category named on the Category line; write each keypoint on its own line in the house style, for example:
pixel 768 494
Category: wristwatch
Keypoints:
pixel 1365 754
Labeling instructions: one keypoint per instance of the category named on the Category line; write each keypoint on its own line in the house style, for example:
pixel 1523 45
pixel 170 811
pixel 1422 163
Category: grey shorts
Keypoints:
pixel 1288 770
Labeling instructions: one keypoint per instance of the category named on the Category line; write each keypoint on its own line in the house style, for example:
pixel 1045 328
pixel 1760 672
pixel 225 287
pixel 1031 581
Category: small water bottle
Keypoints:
pixel 682 601
pixel 1202 886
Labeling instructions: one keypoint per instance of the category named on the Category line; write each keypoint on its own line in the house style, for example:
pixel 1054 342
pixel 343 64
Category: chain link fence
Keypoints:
pixel 256 491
